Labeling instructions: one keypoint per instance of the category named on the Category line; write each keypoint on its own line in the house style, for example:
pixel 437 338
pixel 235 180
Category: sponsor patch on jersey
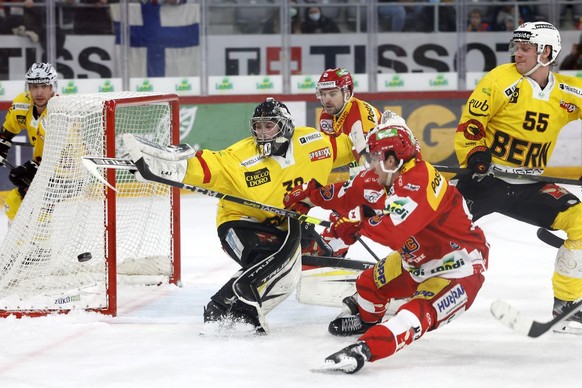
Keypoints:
pixel 478 108
pixel 453 299
pixel 554 190
pixel 372 196
pixel 326 125
pixel 251 161
pixel 20 106
pixel 258 177
pixel 571 90
pixel 309 138
pixel 411 187
pixel 400 208
pixel 320 154
pixel 570 108
pixel 21 119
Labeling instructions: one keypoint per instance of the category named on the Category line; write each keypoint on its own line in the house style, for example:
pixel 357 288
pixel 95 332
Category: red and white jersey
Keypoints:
pixel 421 216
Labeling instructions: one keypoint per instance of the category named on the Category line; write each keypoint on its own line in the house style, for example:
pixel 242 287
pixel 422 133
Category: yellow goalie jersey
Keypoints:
pixel 20 116
pixel 518 121
pixel 240 171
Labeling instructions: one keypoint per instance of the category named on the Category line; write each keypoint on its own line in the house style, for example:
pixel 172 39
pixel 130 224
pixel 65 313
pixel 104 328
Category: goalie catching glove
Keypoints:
pixel 300 198
pixel 170 162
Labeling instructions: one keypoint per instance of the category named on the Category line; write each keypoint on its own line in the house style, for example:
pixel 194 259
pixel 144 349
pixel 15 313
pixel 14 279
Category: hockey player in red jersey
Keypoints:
pixel 342 113
pixel 439 255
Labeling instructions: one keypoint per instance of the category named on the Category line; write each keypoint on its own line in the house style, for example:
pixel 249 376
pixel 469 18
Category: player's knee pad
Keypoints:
pixel 270 281
pixel 569 262
pixel 249 242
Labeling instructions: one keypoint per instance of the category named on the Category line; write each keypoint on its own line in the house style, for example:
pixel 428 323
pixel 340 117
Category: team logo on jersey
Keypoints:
pixel 478 108
pixel 554 190
pixel 472 130
pixel 570 108
pixel 326 125
pixel 320 154
pixel 309 138
pixel 326 192
pixel 571 90
pixel 257 178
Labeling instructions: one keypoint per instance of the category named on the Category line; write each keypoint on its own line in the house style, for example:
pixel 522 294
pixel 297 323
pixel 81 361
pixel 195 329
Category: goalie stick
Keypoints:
pixel 522 324
pixel 503 174
pixel 92 163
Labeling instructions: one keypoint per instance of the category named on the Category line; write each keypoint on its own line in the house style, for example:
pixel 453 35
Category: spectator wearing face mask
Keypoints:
pixel 272 25
pixel 316 23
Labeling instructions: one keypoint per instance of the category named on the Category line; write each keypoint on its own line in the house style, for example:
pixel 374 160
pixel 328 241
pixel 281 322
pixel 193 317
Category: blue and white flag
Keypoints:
pixel 164 40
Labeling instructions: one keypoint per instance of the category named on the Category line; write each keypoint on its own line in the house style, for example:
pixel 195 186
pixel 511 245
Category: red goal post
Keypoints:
pixel 74 240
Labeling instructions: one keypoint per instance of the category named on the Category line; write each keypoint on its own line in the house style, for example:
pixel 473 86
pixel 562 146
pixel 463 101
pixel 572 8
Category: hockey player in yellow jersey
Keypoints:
pixel 262 168
pixel 511 123
pixel 27 112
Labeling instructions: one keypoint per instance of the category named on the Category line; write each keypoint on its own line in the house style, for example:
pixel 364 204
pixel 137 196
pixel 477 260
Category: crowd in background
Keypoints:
pixel 91 17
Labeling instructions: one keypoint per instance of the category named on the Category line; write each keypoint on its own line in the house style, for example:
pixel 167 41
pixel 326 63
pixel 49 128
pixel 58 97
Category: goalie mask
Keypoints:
pixel 272 127
pixel 42 74
pixel 541 34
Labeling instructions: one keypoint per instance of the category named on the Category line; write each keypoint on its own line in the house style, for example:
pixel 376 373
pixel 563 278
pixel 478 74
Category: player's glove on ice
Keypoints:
pixel 299 199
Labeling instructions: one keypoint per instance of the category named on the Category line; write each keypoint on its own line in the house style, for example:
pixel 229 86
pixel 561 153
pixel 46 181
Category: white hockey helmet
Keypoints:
pixel 42 73
pixel 540 33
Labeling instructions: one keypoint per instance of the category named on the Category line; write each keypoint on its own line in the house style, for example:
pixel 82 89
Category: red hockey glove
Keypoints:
pixel 348 228
pixel 299 198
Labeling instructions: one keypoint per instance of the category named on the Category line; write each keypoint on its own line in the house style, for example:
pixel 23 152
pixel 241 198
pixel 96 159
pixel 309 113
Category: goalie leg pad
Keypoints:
pixel 269 282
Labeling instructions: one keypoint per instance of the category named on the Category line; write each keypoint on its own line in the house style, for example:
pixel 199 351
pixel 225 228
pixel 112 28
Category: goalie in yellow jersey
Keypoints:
pixel 262 168
pixel 511 123
pixel 27 112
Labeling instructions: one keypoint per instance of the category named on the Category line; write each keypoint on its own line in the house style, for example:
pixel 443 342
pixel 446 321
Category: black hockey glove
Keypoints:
pixel 23 175
pixel 480 162
pixel 5 145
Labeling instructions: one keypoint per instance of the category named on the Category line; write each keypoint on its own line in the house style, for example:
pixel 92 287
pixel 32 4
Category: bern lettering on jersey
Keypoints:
pixel 257 178
pixel 519 152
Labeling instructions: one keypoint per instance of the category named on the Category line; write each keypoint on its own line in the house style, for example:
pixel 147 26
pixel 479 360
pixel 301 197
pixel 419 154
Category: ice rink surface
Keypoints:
pixel 155 340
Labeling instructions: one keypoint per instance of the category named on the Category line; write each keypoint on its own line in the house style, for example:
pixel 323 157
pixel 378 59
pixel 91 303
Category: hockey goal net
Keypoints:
pixel 73 240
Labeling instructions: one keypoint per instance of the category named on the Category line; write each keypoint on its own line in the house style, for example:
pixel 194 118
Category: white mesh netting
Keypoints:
pixel 65 212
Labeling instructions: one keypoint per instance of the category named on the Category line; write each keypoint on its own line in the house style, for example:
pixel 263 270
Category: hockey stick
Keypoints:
pixel 521 324
pixel 503 174
pixel 550 238
pixel 92 163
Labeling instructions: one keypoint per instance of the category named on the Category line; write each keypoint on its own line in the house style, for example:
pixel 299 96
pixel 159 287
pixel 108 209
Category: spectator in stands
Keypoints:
pixel 272 25
pixel 394 14
pixel 573 61
pixel 35 20
pixel 476 22
pixel 12 21
pixel 94 19
pixel 505 19
pixel 316 23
